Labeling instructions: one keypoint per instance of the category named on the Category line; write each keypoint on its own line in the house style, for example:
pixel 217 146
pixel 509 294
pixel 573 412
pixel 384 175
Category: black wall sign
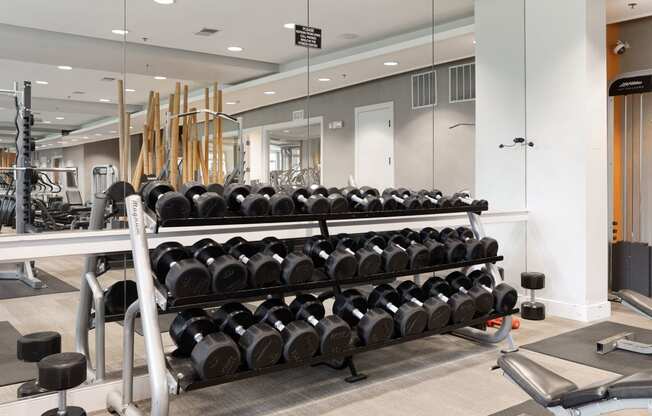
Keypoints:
pixel 631 85
pixel 307 36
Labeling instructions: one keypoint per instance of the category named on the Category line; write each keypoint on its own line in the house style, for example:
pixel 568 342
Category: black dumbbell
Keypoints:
pixel 160 197
pixel 369 262
pixel 204 204
pixel 295 267
pixel 437 198
pixel 334 333
pixel 388 203
pixel 119 296
pixel 409 319
pixel 490 244
pixel 436 250
pixel 338 263
pixel 280 203
pixel 462 306
pixel 239 198
pixel 260 344
pixel 417 252
pixel 405 201
pixel 359 202
pixel 484 301
pixel 439 312
pixel 228 274
pixel 474 248
pixel 394 259
pixel 373 326
pixel 455 249
pixel 32 348
pixel 217 188
pixel 464 199
pixel 504 296
pixel 308 203
pixel 337 203
pixel 425 202
pixel 183 275
pixel 212 353
pixel 262 269
pixel 300 340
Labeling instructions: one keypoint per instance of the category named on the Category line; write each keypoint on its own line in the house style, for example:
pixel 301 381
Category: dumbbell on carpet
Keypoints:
pixel 361 202
pixel 474 248
pixel 409 319
pixel 61 372
pixel 483 300
pixel 462 306
pixel 504 296
pixel 455 249
pixel 490 244
pixel 262 269
pixel 403 201
pixel 160 197
pixel 373 326
pixel 182 275
pixel 300 340
pixel 32 348
pixel 119 296
pixel 240 199
pixel 212 353
pixel 260 344
pixel 439 312
pixel 338 263
pixel 295 267
pixel 436 250
pixel 393 258
pixel 369 262
pixel 417 252
pixel 227 273
pixel 279 202
pixel 334 333
pixel 309 204
pixel 336 202
pixel 204 204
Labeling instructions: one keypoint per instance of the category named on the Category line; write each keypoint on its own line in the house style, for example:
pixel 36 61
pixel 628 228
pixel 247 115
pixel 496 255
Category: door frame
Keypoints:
pixel 380 106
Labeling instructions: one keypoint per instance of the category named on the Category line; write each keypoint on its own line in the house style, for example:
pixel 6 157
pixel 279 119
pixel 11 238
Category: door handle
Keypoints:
pixel 390 160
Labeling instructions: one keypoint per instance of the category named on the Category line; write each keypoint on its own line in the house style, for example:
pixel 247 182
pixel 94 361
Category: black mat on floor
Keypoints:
pixel 12 371
pixel 164 322
pixel 10 289
pixel 529 408
pixel 579 347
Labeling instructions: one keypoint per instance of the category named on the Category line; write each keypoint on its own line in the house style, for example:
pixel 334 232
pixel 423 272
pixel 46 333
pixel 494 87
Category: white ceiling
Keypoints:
pixel 619 10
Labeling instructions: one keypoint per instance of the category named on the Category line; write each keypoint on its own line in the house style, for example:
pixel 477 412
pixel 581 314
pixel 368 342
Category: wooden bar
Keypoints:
pixel 126 148
pixel 147 132
pixel 220 142
pixel 216 125
pixel 158 143
pixel 121 138
pixel 184 138
pixel 174 146
pixel 204 165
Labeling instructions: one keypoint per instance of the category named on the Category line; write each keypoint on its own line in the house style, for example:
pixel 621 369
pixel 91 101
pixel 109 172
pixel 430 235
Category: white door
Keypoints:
pixel 374 145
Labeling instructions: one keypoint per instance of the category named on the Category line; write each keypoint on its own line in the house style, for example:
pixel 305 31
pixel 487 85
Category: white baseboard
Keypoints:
pixel 577 312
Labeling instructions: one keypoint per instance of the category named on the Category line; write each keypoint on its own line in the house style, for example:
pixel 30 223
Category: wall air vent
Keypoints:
pixel 424 90
pixel 206 32
pixel 107 79
pixel 297 115
pixel 461 85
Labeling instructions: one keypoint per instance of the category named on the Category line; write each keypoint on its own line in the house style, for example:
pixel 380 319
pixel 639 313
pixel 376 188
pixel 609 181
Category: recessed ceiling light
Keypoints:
pixel 47 122
pixel 131 127
pixel 324 79
pixel 119 31
pixel 65 67
pixel 75 140
pixel 165 2
pixel 98 134
pixel 105 100
pixel 42 82
pixel 61 142
pixel 85 137
pixel 286 131
pixel 130 90
pixel 234 48
pixel 113 132
pixel 230 103
pixel 269 92
pixel 390 63
pixel 60 118
pixel 289 25
pixel 160 77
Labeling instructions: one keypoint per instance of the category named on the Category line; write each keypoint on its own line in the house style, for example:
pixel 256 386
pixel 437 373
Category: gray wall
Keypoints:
pixel 449 159
pixel 639 35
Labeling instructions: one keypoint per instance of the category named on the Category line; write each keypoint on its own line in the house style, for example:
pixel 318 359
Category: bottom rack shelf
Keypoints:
pixel 182 369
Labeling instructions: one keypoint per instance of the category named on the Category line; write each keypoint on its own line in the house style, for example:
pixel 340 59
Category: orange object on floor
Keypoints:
pixel 494 323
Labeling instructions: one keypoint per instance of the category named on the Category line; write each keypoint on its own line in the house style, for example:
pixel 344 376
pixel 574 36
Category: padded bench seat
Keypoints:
pixel 551 390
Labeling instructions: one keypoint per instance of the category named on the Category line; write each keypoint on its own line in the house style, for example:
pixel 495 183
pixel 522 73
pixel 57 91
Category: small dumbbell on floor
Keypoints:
pixel 182 275
pixel 160 197
pixel 62 372
pixel 212 353
pixel 533 310
pixel 32 348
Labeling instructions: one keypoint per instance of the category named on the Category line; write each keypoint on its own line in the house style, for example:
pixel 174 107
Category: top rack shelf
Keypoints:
pixel 236 220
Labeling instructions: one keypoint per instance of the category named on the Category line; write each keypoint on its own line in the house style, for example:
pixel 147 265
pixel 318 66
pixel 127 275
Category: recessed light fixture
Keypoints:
pixel 130 90
pixel 286 131
pixel 269 92
pixel 47 122
pixel 324 79
pixel 60 118
pixel 42 82
pixel 113 132
pixel 85 137
pixel 131 127
pixel 119 31
pixel 390 63
pixel 65 67
pixel 474 42
pixel 61 142
pixel 98 134
pixel 75 140
pixel 165 2
pixel 159 77
pixel 230 103
pixel 234 48
pixel 105 100
pixel 289 25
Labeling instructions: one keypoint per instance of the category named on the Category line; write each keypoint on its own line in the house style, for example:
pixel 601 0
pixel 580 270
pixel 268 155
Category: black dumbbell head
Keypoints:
pixel 119 296
pixel 152 190
pixel 418 253
pixel 317 204
pixel 215 356
pixel 429 233
pixel 296 268
pixel 439 313
pixel 255 205
pixel 490 246
pixel 483 300
pixel 436 252
pixel 505 298
pixel 62 371
pixel 186 325
pixel 231 193
pixel 533 311
pixel 410 319
pixel 341 265
pixel 395 259
pixel 369 262
pixel 173 205
pixel 228 274
pixel 281 204
pixel 425 203
pixel 118 191
pixel 376 326
pixel 368 190
pixel 389 203
pixel 261 345
pixel 300 341
pixel 462 308
pixel 481 277
pixel 33 347
pixel 346 302
pixel 533 280
pixel 316 189
pixel 263 270
pixel 334 335
pixel 216 187
pixel 164 255
pixel 412 202
pixel 189 278
pixel 338 204
pixel 209 205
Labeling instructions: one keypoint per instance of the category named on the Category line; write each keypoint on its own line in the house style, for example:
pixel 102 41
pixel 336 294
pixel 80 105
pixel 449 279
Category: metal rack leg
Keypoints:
pixel 355 376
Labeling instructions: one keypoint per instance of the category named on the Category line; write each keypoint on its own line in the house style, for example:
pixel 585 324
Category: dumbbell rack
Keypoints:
pixel 171 375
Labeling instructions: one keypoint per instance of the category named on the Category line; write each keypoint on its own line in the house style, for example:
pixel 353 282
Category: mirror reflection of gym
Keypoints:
pixel 295 155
